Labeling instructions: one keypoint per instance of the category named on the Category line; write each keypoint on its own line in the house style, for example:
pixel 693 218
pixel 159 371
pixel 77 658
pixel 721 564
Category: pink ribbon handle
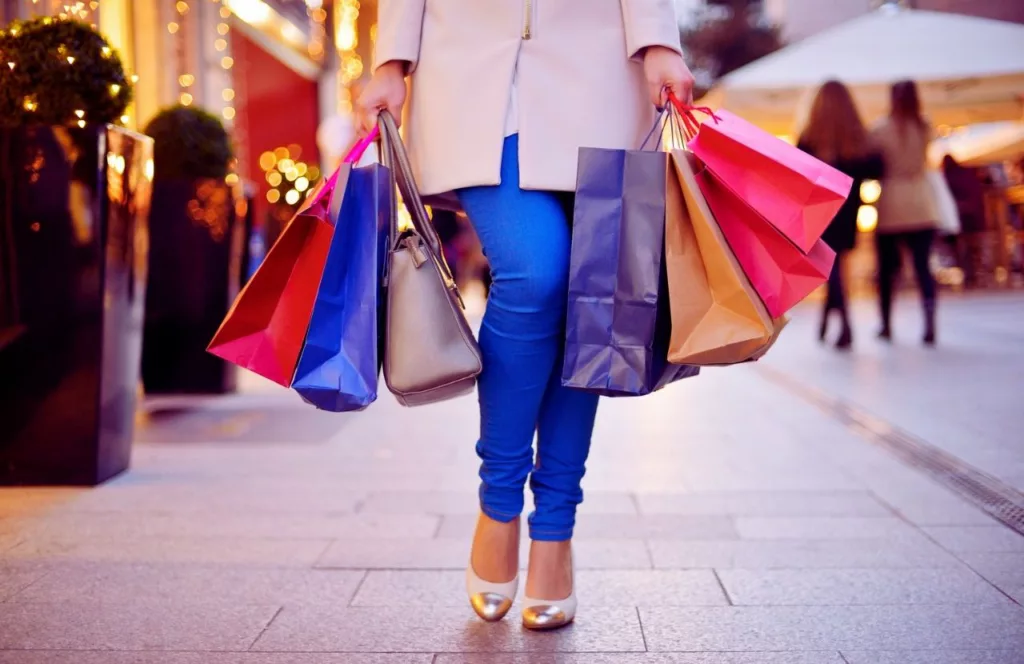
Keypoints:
pixel 356 153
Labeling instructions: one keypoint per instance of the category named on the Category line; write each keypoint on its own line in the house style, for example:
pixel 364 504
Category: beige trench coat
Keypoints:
pixel 908 202
pixel 580 82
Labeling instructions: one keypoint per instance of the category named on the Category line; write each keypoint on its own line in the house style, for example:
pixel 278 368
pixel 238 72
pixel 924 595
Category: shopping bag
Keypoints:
pixel 948 213
pixel 265 328
pixel 780 272
pixel 717 316
pixel 340 360
pixel 618 319
pixel 794 192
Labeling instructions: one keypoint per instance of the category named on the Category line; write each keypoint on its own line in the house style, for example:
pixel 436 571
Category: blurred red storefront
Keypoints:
pixel 277 107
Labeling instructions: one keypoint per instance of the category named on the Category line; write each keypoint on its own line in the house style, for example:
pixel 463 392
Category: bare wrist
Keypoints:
pixel 394 67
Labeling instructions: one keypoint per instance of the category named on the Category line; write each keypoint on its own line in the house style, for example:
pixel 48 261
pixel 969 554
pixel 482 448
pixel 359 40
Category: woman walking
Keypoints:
pixel 502 94
pixel 835 134
pixel 907 211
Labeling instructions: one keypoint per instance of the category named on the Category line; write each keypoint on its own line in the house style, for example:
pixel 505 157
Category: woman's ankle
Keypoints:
pixel 550 573
pixel 495 551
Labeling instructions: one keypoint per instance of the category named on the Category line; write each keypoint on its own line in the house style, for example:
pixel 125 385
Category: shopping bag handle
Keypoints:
pixel 357 151
pixel 687 114
pixel 668 117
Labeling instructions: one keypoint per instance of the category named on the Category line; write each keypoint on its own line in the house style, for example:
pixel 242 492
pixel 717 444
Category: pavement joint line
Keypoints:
pixel 640 622
pixel 359 586
pixel 993 496
pixel 263 631
pixel 728 597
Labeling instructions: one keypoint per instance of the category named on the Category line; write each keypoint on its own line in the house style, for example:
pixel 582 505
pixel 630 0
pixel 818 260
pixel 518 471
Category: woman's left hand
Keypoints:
pixel 666 70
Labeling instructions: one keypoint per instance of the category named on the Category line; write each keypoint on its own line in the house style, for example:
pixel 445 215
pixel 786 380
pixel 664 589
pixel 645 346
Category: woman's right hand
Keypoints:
pixel 385 91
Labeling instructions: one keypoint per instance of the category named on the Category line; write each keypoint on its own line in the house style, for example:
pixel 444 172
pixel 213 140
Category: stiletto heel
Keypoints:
pixel 490 601
pixel 544 614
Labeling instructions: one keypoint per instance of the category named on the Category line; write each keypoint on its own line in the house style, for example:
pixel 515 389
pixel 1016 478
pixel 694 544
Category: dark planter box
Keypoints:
pixel 73 255
pixel 198 245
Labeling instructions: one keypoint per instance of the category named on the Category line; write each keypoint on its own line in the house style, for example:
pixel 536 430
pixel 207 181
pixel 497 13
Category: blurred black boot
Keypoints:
pixel 929 322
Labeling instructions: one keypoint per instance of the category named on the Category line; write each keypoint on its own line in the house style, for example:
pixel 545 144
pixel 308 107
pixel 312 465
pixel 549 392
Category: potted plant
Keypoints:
pixel 197 240
pixel 74 198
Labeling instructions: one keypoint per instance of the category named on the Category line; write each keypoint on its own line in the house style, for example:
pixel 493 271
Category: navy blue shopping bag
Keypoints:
pixel 341 357
pixel 618 323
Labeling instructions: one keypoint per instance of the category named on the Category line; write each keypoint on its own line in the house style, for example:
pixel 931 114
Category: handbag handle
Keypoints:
pixel 402 172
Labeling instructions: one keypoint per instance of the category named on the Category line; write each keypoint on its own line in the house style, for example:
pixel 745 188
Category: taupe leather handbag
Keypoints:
pixel 430 353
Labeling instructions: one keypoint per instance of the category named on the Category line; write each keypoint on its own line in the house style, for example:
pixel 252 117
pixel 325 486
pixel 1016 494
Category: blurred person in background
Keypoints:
pixel 835 134
pixel 907 210
pixel 969 192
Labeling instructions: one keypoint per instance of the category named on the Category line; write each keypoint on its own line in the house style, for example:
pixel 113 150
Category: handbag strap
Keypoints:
pixel 403 174
pixel 401 170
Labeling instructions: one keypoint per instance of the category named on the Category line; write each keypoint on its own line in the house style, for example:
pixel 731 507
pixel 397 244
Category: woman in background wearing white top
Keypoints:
pixel 907 211
pixel 502 95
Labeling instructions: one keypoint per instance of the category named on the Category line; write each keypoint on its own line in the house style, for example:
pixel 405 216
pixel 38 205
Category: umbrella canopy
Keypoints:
pixel 969 69
pixel 984 144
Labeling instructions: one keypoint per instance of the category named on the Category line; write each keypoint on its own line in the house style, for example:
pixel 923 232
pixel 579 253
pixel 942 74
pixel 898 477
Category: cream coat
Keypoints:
pixel 580 82
pixel 908 202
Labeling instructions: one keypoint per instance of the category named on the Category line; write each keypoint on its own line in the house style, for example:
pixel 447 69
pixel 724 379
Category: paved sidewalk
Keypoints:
pixel 963 396
pixel 726 522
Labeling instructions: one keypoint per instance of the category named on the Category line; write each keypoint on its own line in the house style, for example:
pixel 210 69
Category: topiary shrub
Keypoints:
pixel 59 72
pixel 189 143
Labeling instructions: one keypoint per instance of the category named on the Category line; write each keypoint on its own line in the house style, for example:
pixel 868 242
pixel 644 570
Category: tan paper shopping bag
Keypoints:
pixel 717 316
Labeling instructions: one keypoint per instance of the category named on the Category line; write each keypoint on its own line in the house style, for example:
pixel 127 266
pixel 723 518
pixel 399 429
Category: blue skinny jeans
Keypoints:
pixel 526 237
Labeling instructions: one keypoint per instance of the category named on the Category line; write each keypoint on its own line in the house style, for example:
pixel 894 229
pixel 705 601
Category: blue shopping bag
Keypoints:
pixel 618 322
pixel 341 356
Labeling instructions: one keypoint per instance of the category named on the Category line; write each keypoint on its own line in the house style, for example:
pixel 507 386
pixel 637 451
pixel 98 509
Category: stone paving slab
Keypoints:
pixel 113 583
pixel 599 588
pixel 615 526
pixel 467 503
pixel 933 657
pixel 198 550
pixel 201 496
pixel 111 657
pixel 254 524
pixel 800 554
pixel 764 504
pixel 14 578
pixel 810 528
pixel 977 539
pixel 648 658
pixel 442 629
pixel 453 553
pixel 131 626
pixel 1005 570
pixel 862 586
pixel 833 627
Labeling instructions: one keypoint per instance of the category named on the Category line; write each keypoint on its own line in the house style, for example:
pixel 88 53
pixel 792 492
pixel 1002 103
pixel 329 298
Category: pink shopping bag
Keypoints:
pixel 794 192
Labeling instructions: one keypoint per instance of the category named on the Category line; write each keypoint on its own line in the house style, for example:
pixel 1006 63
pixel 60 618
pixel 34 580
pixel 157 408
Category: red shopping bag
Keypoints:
pixel 794 192
pixel 266 326
pixel 779 271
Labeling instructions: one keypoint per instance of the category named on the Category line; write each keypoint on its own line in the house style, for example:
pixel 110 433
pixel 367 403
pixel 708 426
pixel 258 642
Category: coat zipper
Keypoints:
pixel 528 20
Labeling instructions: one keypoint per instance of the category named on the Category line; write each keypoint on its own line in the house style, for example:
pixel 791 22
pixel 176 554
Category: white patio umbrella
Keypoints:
pixel 969 69
pixel 982 144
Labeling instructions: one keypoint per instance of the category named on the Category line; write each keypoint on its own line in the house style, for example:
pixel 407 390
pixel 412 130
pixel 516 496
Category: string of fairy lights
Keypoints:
pixel 187 80
pixel 83 11
pixel 346 41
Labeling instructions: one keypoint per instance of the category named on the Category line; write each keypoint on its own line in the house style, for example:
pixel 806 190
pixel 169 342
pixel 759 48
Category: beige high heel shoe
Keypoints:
pixel 544 614
pixel 491 601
